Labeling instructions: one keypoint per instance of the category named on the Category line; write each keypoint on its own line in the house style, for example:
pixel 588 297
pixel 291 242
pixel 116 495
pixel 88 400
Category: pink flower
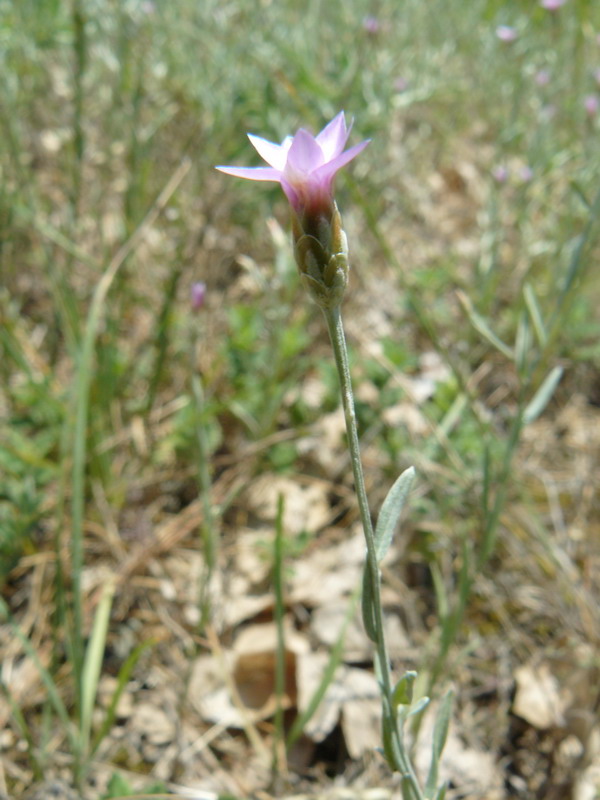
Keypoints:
pixel 304 165
pixel 197 295
pixel 401 84
pixel 542 77
pixel 371 25
pixel 591 103
pixel 500 173
pixel 552 5
pixel 506 34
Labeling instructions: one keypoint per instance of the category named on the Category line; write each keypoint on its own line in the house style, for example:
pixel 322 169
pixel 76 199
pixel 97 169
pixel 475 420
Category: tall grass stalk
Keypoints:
pixel 279 753
pixel 209 532
pixel 81 399
pixel 80 53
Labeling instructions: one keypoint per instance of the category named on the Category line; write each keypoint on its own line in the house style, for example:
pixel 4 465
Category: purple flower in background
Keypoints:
pixel 197 295
pixel 506 33
pixel 500 173
pixel 591 103
pixel 552 5
pixel 371 25
pixel 542 77
pixel 401 84
pixel 304 165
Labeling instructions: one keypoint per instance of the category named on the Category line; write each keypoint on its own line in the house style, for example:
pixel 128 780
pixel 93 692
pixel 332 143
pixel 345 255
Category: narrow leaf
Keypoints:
pixel 368 610
pixel 481 326
pixel 535 314
pixel 403 690
pixel 122 680
pixel 440 734
pixel 390 512
pixel 522 342
pixel 93 659
pixel 441 792
pixel 47 679
pixel 543 396
pixel 419 707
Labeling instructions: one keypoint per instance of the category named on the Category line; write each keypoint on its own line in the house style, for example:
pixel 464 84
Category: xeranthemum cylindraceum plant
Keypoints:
pixel 305 166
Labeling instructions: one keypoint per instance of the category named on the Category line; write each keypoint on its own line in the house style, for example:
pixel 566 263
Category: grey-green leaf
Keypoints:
pixel 482 326
pixel 368 609
pixel 390 512
pixel 543 396
pixel 403 690
pixel 440 733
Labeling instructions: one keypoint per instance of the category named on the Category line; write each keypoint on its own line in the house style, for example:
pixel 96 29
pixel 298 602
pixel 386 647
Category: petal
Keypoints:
pixel 290 193
pixel 329 169
pixel 253 173
pixel 334 136
pixel 304 154
pixel 273 154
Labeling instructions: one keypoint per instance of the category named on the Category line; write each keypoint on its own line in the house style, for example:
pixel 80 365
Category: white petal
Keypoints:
pixel 273 154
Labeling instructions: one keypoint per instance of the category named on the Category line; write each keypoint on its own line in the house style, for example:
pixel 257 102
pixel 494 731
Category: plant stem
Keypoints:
pixel 397 757
pixel 209 534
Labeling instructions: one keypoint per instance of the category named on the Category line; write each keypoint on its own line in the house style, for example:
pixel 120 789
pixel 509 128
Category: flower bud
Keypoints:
pixel 321 253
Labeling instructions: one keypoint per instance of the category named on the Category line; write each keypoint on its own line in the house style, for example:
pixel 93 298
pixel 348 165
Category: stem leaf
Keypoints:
pixel 390 512
pixel 440 734
pixel 535 314
pixel 403 690
pixel 368 610
pixel 543 396
pixel 94 656
pixel 481 325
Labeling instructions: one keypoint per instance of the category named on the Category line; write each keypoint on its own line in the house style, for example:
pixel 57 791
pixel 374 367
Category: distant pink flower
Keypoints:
pixel 401 84
pixel 304 165
pixel 552 5
pixel 197 295
pixel 506 33
pixel 542 77
pixel 591 103
pixel 371 25
pixel 500 173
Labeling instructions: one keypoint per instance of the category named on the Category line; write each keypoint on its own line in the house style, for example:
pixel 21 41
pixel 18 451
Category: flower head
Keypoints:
pixel 401 84
pixel 500 173
pixel 552 5
pixel 543 77
pixel 197 295
pixel 591 103
pixel 371 25
pixel 506 33
pixel 304 165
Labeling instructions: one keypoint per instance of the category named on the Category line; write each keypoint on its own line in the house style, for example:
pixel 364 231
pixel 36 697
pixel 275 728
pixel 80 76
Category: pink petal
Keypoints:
pixel 331 167
pixel 273 154
pixel 304 154
pixel 334 136
pixel 253 173
pixel 290 192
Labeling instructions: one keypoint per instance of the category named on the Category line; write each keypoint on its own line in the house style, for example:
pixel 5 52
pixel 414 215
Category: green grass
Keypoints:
pixel 113 117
